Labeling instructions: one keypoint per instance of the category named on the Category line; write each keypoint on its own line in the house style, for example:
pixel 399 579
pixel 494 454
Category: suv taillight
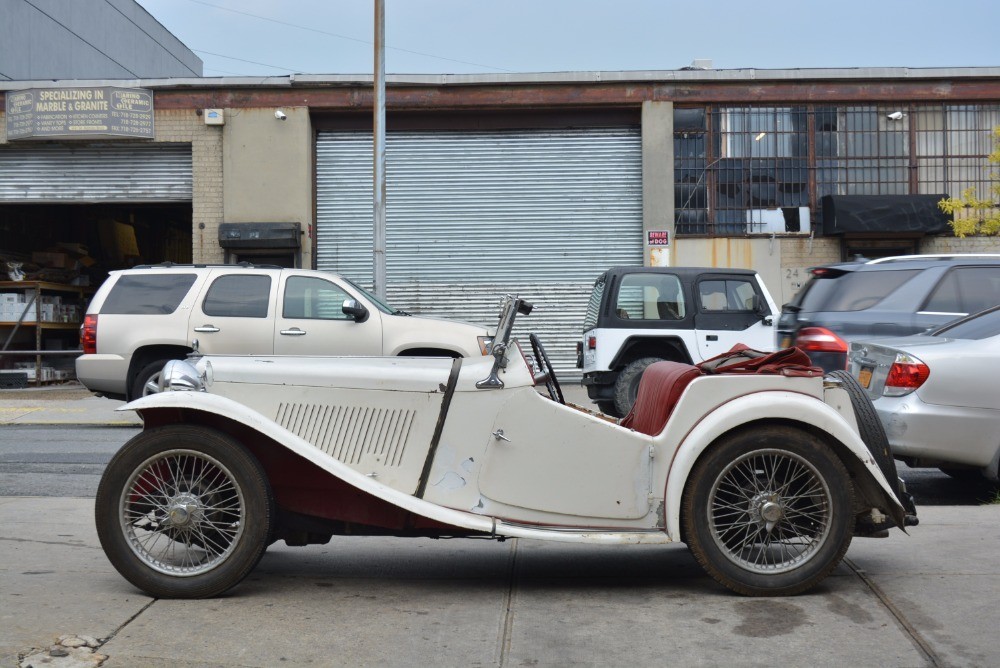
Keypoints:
pixel 820 340
pixel 906 374
pixel 88 335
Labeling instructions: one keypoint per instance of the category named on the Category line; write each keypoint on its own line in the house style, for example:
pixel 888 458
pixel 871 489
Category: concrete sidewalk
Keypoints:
pixel 928 599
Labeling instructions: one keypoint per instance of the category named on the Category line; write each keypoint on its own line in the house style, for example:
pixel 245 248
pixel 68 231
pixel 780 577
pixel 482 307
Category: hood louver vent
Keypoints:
pixel 348 433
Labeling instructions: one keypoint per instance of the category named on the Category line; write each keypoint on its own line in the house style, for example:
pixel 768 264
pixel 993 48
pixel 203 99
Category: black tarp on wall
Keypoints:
pixel 883 214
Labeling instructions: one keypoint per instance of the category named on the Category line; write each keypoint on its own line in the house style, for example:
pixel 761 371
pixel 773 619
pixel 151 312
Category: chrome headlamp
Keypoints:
pixel 180 375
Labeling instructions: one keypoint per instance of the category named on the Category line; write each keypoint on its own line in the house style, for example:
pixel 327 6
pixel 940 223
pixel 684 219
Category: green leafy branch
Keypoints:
pixel 972 215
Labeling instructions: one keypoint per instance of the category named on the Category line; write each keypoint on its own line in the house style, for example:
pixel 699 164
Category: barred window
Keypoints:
pixel 745 169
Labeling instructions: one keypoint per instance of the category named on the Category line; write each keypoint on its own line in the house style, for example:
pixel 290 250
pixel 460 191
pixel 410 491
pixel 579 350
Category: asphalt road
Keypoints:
pixel 67 461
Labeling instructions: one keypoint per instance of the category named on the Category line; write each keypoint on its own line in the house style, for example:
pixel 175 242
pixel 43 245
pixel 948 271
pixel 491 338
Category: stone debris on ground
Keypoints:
pixel 69 652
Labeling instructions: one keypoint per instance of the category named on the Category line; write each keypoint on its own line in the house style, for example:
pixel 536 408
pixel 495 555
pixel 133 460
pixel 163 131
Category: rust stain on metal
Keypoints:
pixel 539 95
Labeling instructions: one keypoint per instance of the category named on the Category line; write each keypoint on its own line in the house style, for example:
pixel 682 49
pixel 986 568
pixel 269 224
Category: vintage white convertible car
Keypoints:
pixel 765 476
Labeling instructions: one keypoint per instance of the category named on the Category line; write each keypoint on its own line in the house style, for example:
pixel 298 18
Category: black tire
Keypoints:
pixel 184 511
pixel 145 381
pixel 627 384
pixel 963 474
pixel 607 407
pixel 870 427
pixel 801 527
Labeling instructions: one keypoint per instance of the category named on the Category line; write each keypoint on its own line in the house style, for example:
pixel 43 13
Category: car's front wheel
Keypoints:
pixel 768 511
pixel 184 512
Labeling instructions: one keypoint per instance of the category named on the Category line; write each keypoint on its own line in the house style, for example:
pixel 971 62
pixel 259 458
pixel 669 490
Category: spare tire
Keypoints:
pixel 873 435
pixel 870 427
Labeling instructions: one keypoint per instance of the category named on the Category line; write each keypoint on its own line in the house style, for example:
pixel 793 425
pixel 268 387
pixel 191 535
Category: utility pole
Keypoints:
pixel 379 153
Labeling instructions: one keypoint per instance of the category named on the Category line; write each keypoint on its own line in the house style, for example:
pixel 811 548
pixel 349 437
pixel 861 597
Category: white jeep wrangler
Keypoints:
pixel 640 315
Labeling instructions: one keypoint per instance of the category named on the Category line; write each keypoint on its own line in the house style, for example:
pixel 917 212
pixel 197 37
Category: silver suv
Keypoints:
pixel 891 296
pixel 143 317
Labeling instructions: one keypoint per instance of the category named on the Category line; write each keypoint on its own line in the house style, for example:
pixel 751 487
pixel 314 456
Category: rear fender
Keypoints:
pixel 800 410
pixel 171 407
pixel 667 347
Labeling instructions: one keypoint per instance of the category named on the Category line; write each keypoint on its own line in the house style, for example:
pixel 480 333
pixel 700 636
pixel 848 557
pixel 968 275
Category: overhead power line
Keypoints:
pixel 339 36
pixel 252 62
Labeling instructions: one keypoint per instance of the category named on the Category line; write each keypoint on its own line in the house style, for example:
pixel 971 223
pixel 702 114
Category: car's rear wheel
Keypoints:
pixel 963 474
pixel 627 384
pixel 184 512
pixel 768 511
pixel 607 407
pixel 145 381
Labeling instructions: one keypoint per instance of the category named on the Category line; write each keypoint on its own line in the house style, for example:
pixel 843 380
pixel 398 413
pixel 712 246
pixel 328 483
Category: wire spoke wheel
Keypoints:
pixel 769 511
pixel 182 512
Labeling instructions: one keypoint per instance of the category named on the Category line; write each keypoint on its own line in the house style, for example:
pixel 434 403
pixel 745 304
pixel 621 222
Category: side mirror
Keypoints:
pixel 357 311
pixel 761 308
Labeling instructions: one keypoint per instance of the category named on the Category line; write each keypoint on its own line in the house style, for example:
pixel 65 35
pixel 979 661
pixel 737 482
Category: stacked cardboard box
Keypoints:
pixel 12 305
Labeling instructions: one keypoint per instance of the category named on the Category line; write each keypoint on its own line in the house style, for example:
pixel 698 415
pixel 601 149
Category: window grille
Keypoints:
pixel 733 165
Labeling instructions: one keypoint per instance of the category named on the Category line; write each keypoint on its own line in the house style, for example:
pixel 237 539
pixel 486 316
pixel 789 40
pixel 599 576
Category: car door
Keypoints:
pixel 726 314
pixel 234 313
pixel 545 458
pixel 962 290
pixel 311 320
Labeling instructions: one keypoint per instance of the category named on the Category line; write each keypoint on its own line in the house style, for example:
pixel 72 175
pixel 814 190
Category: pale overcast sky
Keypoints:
pixel 482 36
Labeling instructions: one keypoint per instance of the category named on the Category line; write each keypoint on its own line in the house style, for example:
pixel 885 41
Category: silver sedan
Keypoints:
pixel 938 393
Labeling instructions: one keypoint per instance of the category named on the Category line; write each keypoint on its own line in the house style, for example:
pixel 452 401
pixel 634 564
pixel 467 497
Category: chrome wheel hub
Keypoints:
pixel 182 512
pixel 770 511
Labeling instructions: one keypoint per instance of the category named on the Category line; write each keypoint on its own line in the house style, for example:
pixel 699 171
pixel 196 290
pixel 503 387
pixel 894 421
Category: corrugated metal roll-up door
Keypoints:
pixel 474 215
pixel 96 173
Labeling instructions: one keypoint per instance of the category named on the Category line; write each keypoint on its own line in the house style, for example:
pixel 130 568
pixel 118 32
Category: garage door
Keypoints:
pixel 474 215
pixel 95 173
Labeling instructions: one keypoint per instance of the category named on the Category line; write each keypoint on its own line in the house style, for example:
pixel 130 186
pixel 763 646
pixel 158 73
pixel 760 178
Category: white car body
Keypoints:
pixel 128 343
pixel 628 492
pixel 702 343
pixel 464 447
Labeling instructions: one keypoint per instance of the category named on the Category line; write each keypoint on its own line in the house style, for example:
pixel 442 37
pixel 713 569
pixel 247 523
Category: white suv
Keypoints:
pixel 641 315
pixel 142 317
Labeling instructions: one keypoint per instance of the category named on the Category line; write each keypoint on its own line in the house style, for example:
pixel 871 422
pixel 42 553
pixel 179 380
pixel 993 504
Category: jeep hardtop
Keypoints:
pixel 640 315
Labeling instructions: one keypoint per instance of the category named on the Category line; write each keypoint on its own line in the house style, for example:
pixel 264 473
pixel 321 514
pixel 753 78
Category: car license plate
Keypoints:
pixel 865 376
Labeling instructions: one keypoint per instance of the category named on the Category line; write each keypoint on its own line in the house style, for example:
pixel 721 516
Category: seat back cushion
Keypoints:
pixel 660 387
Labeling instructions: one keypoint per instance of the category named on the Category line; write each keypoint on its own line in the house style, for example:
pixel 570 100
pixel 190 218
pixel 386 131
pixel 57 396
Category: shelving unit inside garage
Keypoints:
pixel 39 331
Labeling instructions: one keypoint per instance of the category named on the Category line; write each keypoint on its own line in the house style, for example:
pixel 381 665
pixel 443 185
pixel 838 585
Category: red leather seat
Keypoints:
pixel 660 387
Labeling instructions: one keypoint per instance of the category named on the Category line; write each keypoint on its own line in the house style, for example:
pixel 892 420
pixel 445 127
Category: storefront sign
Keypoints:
pixel 103 111
pixel 657 237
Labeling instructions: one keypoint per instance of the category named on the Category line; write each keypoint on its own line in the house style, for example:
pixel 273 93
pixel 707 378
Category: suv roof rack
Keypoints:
pixel 938 256
pixel 245 265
